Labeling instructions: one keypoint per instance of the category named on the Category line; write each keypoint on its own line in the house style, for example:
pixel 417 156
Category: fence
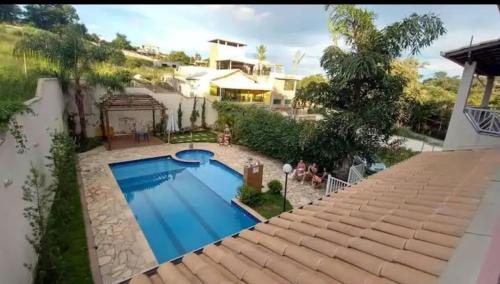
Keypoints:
pixel 334 184
pixel 356 173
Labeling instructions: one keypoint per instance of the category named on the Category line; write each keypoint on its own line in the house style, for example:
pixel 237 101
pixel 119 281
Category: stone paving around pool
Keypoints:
pixel 122 249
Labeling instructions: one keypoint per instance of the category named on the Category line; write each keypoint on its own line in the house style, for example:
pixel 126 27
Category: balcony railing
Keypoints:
pixel 484 120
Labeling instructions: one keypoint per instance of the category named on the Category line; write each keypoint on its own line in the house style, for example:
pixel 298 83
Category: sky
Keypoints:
pixel 283 29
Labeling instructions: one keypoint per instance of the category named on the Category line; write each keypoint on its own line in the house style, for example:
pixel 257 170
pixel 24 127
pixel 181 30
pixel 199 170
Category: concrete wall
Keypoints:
pixel 462 135
pixel 172 99
pixel 48 106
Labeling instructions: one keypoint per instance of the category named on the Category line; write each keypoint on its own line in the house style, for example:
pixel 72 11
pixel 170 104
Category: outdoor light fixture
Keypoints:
pixel 287 168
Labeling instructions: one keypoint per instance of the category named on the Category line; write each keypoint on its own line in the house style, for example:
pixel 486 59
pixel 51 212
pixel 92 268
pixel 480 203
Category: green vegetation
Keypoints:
pixel 362 98
pixel 266 132
pixel 198 136
pixel 50 16
pixel 271 205
pixel 89 144
pixel 64 257
pixel 121 42
pixel 249 195
pixel 405 132
pixel 74 57
pixel 15 84
pixel 275 186
pixel 393 155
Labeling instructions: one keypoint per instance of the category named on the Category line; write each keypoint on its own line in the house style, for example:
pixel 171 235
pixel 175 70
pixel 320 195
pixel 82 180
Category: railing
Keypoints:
pixel 334 184
pixel 356 173
pixel 484 120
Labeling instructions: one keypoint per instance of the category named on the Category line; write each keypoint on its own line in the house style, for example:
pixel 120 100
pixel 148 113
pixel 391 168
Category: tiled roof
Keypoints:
pixel 398 226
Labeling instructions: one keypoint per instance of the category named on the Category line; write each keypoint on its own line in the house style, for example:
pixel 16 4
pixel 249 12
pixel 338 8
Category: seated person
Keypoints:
pixel 318 179
pixel 311 171
pixel 227 139
pixel 299 170
pixel 220 139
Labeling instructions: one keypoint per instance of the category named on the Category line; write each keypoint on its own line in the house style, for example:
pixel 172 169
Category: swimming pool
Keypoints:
pixel 182 206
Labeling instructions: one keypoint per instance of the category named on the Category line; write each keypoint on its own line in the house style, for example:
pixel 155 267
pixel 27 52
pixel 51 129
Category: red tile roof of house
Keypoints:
pixel 401 225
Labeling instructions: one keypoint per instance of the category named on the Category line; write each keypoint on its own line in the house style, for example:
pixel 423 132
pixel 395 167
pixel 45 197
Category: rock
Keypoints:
pixel 104 259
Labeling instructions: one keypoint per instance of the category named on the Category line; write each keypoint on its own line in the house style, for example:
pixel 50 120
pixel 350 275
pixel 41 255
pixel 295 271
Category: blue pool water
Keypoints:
pixel 182 206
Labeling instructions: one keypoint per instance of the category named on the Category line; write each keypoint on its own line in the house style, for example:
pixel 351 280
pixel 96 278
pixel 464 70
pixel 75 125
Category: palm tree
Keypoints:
pixel 72 55
pixel 261 56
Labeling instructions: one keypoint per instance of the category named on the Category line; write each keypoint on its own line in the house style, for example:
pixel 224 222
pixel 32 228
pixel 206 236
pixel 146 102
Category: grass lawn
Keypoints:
pixel 14 83
pixel 199 136
pixel 271 205
pixel 64 257
pixel 393 156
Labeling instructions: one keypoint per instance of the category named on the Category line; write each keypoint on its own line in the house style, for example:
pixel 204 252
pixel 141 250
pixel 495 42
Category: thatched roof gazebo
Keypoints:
pixel 128 102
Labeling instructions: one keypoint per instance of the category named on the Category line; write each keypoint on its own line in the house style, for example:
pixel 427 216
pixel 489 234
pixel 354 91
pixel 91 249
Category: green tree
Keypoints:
pixel 73 56
pixel 362 97
pixel 180 57
pixel 93 37
pixel 121 42
pixel 261 56
pixel 304 86
pixel 50 16
pixel 9 13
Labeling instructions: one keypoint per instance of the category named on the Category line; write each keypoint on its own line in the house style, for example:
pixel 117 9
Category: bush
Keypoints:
pixel 266 132
pixel 275 186
pixel 249 195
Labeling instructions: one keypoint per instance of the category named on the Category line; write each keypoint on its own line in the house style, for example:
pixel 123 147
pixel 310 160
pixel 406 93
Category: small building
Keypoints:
pixel 475 126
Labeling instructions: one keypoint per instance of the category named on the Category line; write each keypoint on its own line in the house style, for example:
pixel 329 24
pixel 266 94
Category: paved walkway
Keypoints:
pixel 417 145
pixel 122 249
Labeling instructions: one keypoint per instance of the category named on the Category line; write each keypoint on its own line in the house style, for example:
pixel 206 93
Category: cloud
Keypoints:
pixel 283 29
pixel 240 12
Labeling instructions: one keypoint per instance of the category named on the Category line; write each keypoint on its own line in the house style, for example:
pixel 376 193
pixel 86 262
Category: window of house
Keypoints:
pixel 276 101
pixel 287 102
pixel 289 85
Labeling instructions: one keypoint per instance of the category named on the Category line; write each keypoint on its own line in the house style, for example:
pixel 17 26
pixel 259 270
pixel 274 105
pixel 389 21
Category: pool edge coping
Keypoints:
pixel 249 210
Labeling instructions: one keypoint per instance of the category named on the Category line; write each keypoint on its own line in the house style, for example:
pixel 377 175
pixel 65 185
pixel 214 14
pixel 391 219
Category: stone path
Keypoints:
pixel 122 249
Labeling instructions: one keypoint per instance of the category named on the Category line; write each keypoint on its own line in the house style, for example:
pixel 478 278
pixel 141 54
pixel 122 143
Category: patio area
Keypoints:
pixel 122 249
pixel 128 141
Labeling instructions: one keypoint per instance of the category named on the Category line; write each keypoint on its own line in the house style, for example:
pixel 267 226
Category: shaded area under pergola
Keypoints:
pixel 128 102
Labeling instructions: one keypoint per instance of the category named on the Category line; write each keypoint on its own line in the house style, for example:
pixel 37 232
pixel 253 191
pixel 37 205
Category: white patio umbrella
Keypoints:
pixel 172 124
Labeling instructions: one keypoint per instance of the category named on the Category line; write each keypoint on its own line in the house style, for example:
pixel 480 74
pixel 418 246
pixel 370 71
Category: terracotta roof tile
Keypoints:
pixel 170 274
pixel 398 226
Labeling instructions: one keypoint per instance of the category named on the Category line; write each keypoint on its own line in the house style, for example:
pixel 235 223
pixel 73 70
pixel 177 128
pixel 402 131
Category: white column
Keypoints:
pixel 464 88
pixel 487 91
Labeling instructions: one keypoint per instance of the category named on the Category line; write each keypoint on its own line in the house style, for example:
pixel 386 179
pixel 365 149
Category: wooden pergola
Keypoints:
pixel 128 102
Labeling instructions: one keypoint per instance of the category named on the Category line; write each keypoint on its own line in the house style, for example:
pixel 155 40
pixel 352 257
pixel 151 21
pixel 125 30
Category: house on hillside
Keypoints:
pixel 231 76
pixel 475 126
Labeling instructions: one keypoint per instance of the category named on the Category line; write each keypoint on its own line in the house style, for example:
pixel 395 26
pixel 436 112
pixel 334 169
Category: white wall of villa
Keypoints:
pixel 48 106
pixel 461 134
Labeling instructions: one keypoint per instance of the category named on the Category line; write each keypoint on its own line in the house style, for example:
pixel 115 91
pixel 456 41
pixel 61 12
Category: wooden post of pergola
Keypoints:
pixel 128 102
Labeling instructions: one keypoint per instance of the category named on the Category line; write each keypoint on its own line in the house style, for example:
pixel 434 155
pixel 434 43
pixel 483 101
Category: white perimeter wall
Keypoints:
pixel 171 100
pixel 48 106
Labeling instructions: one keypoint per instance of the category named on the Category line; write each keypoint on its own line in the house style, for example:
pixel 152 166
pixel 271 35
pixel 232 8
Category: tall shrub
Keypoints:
pixel 38 196
pixel 194 115
pixel 203 114
pixel 179 116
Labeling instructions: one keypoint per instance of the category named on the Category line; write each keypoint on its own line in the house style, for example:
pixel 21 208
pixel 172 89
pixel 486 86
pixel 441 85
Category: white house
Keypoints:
pixel 475 126
pixel 232 76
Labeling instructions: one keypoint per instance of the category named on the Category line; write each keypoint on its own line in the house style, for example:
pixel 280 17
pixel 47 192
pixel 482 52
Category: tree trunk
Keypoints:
pixel 81 110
